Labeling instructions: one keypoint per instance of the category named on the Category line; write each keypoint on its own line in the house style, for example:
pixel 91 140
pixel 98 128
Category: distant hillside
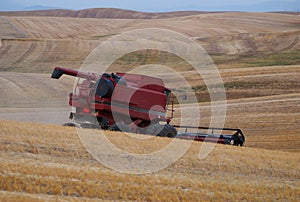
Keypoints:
pixel 101 13
pixel 36 44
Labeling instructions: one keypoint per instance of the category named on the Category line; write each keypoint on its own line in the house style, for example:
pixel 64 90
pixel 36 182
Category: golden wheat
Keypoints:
pixel 49 162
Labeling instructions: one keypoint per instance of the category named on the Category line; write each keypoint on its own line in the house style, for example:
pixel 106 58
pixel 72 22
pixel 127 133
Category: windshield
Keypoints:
pixel 167 92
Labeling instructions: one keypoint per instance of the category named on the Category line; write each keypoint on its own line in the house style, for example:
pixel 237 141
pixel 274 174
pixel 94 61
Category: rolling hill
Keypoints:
pixel 101 13
pixel 36 44
pixel 257 55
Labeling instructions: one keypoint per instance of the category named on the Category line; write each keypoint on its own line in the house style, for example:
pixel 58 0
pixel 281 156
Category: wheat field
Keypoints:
pixel 257 55
pixel 47 162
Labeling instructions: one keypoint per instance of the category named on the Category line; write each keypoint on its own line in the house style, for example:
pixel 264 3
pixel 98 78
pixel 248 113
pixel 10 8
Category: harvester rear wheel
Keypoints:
pixel 162 131
pixel 154 129
pixel 168 131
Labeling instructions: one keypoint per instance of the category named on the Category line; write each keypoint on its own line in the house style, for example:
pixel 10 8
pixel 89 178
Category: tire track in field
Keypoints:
pixel 5 50
pixel 12 87
pixel 45 47
pixel 292 44
pixel 29 51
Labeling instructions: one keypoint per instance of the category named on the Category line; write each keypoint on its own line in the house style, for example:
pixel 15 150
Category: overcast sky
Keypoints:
pixel 157 5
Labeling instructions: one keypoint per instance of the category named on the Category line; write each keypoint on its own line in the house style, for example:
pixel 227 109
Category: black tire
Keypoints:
pixel 154 129
pixel 103 123
pixel 168 131
pixel 119 127
pixel 238 139
pixel 162 131
pixel 70 125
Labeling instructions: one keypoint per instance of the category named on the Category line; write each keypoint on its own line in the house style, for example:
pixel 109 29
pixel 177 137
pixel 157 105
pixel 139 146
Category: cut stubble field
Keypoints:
pixel 49 162
pixel 257 55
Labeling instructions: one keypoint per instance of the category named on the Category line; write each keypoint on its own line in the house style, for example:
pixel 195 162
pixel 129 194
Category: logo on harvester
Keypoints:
pixel 151 96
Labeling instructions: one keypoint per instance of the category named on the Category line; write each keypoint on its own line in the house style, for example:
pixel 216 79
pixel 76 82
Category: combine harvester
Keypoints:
pixel 132 103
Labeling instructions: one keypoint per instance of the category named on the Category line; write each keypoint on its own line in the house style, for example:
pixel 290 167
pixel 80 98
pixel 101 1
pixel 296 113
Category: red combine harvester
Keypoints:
pixel 131 103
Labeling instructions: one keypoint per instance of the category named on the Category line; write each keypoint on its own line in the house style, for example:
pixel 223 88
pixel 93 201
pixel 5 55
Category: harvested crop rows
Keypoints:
pixel 258 59
pixel 39 56
pixel 37 166
pixel 48 38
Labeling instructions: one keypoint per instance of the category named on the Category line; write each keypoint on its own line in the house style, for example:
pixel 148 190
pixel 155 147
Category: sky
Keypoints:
pixel 155 5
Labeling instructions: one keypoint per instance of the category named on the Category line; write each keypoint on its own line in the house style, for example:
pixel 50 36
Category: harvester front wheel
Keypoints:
pixel 119 127
pixel 70 124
